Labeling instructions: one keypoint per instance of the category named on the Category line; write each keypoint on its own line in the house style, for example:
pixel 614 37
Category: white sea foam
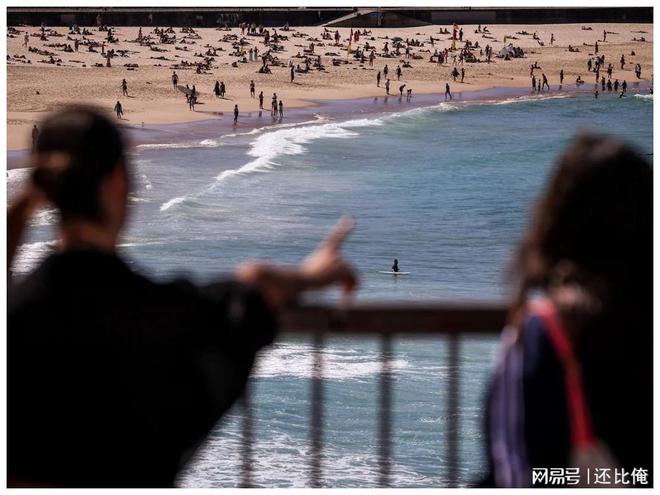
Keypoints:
pixel 278 464
pixel 29 255
pixel 524 99
pixel 290 141
pixel 174 201
pixel 295 360
pixel 648 97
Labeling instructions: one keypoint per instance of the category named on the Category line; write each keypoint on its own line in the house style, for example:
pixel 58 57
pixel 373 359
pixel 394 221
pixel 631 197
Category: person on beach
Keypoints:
pixel 192 100
pixel 293 74
pixel 216 89
pixel 124 384
pixel 561 77
pixel 533 83
pixel 281 109
pixel 119 110
pixel 580 327
pixel 401 88
pixel 273 106
pixel 175 80
pixel 26 40
pixel 545 83
pixel 447 92
pixel 387 87
pixel 261 100
pixel 235 114
pixel 616 85
pixel 462 74
pixel 624 87
pixel 35 135
pixel 124 87
pixel 378 80
pixel 395 266
pixel 252 89
pixel 622 61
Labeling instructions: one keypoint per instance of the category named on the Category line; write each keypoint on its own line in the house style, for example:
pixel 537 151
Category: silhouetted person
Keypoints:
pixel 584 303
pixel 114 379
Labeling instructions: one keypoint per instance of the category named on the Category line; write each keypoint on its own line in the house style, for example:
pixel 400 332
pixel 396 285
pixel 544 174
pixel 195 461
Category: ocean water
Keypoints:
pixel 446 188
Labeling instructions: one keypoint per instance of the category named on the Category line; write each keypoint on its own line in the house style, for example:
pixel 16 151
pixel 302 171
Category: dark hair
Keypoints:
pixel 593 228
pixel 91 147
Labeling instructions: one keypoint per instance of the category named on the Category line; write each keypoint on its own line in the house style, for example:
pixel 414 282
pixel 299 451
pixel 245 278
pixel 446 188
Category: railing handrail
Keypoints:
pixel 396 318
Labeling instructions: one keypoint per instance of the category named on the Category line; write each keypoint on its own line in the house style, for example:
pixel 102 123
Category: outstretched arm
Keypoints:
pixel 322 268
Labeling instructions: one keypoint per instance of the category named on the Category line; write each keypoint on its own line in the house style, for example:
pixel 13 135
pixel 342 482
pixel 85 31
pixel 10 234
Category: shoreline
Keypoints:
pixel 316 111
pixel 82 74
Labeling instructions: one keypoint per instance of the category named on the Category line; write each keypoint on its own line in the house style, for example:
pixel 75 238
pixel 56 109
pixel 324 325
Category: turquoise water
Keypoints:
pixel 446 189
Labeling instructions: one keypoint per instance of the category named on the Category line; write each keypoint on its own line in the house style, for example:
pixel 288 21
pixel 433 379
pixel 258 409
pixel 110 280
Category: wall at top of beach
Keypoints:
pixel 337 16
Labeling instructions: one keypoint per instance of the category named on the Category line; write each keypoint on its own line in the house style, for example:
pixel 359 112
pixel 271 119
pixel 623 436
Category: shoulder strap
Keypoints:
pixel 580 419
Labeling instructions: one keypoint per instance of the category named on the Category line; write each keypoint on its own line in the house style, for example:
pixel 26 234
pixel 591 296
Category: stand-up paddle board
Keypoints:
pixel 395 273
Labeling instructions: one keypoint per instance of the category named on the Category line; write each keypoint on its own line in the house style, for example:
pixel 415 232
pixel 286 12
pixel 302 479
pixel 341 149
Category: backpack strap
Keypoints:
pixel 582 434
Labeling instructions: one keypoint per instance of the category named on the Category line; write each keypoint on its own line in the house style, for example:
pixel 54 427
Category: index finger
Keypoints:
pixel 339 232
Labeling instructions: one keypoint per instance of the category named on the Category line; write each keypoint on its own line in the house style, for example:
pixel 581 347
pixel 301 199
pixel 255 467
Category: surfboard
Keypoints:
pixel 184 90
pixel 394 273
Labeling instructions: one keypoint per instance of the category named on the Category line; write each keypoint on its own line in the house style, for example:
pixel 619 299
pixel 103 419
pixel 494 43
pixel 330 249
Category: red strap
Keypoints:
pixel 579 417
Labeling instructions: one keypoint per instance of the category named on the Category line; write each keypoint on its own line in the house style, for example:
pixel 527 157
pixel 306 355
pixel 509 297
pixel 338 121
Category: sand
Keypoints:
pixel 37 88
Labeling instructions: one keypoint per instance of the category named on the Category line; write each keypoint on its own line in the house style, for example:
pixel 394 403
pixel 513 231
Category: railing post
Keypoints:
pixel 453 350
pixel 316 426
pixel 246 439
pixel 384 460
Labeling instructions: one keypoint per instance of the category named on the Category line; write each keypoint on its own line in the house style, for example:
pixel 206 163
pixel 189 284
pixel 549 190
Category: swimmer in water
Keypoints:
pixel 395 266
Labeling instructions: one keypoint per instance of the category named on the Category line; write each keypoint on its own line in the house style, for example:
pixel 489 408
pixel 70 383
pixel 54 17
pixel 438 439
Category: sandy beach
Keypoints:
pixel 36 86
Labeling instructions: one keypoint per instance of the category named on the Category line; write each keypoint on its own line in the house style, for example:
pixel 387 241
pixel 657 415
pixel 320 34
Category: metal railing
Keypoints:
pixel 386 321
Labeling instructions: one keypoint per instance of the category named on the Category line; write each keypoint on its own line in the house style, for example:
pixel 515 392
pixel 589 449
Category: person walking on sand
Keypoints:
pixel 561 77
pixel 175 79
pixel 281 108
pixel 216 89
pixel 124 87
pixel 35 135
pixel 462 74
pixel 387 87
pixel 293 74
pixel 252 90
pixel 26 40
pixel 235 114
pixel 545 82
pixel 623 61
pixel 261 100
pixel 378 80
pixel 119 110
pixel 399 72
pixel 447 92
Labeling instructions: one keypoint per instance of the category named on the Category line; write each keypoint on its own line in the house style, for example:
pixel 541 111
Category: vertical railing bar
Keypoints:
pixel 452 408
pixel 316 426
pixel 246 439
pixel 384 460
